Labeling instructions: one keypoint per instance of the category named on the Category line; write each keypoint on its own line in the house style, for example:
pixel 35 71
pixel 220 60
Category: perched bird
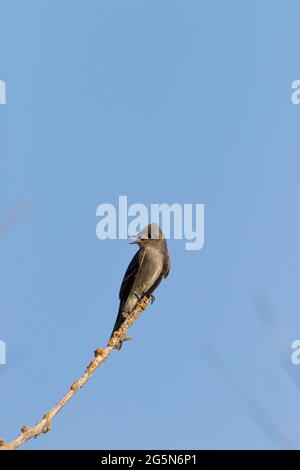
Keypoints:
pixel 146 270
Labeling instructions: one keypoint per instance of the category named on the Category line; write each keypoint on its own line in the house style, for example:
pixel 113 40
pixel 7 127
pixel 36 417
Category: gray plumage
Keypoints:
pixel 145 272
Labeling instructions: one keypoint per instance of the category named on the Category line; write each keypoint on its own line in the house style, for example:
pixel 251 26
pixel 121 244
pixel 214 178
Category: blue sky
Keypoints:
pixel 162 101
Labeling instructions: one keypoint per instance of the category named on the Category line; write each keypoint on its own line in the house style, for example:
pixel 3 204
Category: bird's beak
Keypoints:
pixel 136 242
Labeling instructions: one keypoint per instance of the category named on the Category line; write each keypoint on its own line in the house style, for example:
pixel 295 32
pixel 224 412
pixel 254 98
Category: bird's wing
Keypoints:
pixel 126 286
pixel 130 275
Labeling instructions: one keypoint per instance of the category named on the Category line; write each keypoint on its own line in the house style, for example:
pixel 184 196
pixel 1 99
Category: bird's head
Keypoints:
pixel 151 235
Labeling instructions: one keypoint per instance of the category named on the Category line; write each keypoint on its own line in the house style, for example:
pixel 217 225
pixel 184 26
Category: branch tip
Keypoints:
pixel 44 425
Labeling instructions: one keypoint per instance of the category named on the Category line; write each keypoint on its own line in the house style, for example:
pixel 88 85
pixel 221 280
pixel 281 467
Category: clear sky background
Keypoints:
pixel 162 101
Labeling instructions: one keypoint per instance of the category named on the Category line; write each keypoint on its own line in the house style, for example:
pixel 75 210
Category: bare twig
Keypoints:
pixel 252 404
pixel 279 339
pixel 11 218
pixel 44 425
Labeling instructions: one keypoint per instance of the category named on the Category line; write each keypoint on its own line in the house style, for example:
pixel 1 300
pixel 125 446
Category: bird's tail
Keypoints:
pixel 119 322
pixel 117 325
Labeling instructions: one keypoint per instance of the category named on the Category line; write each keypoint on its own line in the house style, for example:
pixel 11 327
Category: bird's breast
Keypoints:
pixel 150 269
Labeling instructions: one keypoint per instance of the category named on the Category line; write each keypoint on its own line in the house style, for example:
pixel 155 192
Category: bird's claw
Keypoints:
pixel 152 298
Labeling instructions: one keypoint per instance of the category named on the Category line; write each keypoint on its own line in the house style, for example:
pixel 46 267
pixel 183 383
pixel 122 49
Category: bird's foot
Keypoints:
pixel 150 297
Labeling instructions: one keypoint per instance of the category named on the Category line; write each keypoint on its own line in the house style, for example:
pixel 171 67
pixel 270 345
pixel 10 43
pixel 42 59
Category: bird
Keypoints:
pixel 149 266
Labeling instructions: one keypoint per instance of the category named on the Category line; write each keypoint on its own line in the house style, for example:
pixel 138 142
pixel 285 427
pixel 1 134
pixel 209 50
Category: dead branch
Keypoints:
pixel 44 425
